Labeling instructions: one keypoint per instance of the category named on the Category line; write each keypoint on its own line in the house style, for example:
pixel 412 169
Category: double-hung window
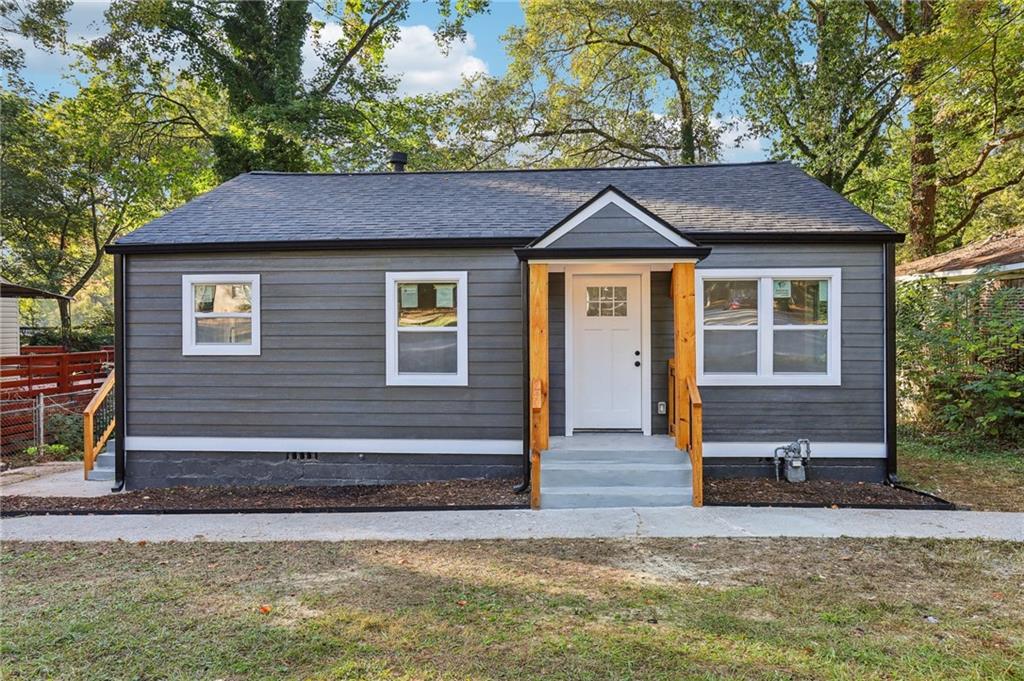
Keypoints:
pixel 427 328
pixel 220 314
pixel 768 327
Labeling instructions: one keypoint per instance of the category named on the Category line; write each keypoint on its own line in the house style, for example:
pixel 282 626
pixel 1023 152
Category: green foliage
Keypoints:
pixel 622 82
pixel 960 357
pixel 50 452
pixel 65 430
pixel 826 107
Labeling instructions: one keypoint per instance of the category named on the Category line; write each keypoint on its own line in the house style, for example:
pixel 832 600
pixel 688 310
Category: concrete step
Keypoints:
pixel 557 473
pixel 615 496
pixel 656 456
pixel 101 474
pixel 105 460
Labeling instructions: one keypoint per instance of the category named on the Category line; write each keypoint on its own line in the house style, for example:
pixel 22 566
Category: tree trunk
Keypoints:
pixel 64 305
pixel 923 188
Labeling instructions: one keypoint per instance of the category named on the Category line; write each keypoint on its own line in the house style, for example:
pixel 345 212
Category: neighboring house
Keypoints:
pixel 10 325
pixel 1000 256
pixel 383 327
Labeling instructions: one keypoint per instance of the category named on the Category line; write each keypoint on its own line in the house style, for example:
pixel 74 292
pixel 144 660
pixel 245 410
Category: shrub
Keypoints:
pixel 65 430
pixel 960 357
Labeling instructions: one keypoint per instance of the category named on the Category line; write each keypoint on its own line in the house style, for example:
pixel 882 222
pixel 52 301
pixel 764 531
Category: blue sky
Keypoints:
pixel 417 58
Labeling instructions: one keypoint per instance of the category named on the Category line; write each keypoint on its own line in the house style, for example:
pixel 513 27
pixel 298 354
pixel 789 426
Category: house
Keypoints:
pixel 1000 256
pixel 10 322
pixel 382 327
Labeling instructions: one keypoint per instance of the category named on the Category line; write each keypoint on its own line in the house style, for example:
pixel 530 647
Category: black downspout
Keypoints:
pixel 120 379
pixel 524 278
pixel 890 362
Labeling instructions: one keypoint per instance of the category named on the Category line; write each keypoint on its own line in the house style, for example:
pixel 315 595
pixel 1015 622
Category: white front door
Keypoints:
pixel 607 362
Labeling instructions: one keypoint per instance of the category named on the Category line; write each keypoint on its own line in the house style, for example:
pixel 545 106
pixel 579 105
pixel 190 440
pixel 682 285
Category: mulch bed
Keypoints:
pixel 743 492
pixel 449 493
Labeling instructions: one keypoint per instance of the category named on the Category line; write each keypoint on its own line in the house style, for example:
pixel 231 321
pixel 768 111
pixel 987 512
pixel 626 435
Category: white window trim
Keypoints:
pixel 188 327
pixel 392 279
pixel 765 328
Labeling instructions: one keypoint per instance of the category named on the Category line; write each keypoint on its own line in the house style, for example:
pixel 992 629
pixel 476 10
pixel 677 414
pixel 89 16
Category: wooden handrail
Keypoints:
pixel 91 445
pixel 696 439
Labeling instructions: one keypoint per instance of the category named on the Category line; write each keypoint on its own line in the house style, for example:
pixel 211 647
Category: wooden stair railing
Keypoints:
pixel 537 423
pixel 98 417
pixel 686 412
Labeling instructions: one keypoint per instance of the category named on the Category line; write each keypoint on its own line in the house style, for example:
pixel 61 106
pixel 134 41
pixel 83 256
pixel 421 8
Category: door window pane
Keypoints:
pixel 800 302
pixel 801 352
pixel 222 297
pixel 730 303
pixel 431 304
pixel 223 330
pixel 606 301
pixel 730 352
pixel 429 352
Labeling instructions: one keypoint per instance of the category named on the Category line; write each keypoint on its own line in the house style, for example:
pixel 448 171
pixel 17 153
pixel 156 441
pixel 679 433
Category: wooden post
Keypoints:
pixel 685 323
pixel 540 425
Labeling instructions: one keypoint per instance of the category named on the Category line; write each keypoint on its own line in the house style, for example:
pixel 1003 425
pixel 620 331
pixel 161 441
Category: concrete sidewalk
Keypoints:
pixel 58 479
pixel 521 524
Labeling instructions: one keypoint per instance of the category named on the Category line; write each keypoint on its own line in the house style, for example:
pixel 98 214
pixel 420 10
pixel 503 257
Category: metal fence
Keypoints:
pixel 30 422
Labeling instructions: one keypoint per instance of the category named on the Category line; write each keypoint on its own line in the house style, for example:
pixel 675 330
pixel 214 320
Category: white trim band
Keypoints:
pixel 819 450
pixel 321 445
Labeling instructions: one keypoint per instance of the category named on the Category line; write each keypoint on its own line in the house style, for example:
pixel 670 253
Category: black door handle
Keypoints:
pixel 637 353
pixel 636 363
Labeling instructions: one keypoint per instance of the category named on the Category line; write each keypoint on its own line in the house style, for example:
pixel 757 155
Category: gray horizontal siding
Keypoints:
pixel 611 227
pixel 322 368
pixel 851 412
pixel 556 351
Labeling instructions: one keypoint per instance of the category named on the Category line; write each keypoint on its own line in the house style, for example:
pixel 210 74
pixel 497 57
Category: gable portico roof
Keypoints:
pixel 703 203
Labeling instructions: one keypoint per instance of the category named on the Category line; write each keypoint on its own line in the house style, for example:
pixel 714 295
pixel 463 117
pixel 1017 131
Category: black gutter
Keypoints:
pixel 120 378
pixel 524 278
pixel 774 237
pixel 318 245
pixel 890 362
pixel 611 254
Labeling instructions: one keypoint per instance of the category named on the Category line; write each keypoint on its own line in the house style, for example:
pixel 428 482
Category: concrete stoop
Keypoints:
pixel 103 467
pixel 583 477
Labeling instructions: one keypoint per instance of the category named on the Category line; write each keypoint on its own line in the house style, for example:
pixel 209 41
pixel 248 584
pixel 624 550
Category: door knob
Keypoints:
pixel 636 363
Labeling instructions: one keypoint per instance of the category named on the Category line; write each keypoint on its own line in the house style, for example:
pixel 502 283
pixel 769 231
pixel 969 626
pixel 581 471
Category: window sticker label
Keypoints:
pixel 782 289
pixel 410 295
pixel 445 295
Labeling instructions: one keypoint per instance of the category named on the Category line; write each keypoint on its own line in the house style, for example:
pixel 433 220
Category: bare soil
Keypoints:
pixel 824 492
pixel 497 492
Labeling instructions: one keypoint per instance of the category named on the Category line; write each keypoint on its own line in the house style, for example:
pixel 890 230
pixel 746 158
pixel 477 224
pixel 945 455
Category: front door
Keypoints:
pixel 607 365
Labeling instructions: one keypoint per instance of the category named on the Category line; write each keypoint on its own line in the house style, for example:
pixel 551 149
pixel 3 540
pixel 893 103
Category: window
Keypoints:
pixel 768 327
pixel 220 314
pixel 606 301
pixel 427 324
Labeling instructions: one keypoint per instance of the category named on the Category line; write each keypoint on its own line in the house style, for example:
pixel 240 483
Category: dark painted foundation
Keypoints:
pixel 200 469
pixel 846 470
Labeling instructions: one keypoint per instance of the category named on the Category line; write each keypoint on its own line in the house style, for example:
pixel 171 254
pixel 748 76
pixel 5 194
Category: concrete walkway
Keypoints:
pixel 524 524
pixel 59 479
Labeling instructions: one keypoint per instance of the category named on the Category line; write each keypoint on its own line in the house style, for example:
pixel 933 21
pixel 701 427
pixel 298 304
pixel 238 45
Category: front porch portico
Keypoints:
pixel 606 452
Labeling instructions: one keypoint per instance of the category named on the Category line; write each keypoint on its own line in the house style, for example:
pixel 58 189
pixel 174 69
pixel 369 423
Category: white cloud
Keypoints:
pixel 737 144
pixel 424 67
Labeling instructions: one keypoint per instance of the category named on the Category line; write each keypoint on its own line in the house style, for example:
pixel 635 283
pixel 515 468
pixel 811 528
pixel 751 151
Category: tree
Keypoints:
pixel 41 21
pixel 78 173
pixel 631 82
pixel 252 52
pixel 965 128
pixel 818 79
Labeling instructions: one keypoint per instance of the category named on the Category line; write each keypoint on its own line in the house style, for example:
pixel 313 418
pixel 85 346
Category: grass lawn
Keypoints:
pixel 980 476
pixel 641 609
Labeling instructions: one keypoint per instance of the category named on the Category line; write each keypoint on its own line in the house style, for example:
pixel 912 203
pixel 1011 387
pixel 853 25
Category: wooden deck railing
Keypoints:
pixel 686 412
pixel 50 373
pixel 98 417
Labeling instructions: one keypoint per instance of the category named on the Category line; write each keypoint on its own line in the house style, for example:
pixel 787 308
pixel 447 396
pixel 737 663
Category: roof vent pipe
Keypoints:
pixel 398 161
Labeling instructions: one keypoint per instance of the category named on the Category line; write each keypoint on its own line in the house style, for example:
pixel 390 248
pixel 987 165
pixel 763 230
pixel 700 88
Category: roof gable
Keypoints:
pixel 612 219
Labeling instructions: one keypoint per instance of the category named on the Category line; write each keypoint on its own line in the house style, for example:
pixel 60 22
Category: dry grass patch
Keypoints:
pixel 587 609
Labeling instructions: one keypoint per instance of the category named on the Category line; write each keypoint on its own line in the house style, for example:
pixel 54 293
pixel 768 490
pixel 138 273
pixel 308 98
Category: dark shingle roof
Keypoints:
pixel 267 207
